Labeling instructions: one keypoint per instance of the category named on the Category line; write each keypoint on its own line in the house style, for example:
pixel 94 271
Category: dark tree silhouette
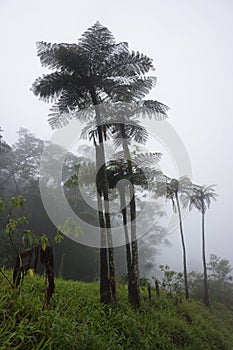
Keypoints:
pixel 86 74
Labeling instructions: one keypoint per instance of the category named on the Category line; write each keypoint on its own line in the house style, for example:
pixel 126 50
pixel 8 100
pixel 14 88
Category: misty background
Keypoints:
pixel 191 45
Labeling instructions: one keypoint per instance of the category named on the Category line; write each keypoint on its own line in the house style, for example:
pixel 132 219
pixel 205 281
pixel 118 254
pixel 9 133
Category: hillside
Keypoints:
pixel 76 320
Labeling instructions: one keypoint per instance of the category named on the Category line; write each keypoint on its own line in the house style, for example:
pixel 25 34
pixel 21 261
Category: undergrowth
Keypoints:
pixel 76 320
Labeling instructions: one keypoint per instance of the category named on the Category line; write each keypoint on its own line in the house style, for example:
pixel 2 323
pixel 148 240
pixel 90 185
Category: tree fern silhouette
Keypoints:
pixel 96 69
pixel 200 198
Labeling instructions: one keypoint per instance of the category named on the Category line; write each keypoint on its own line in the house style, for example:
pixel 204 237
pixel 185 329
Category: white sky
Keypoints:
pixel 191 44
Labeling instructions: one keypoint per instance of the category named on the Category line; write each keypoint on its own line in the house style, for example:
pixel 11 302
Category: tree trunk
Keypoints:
pixel 206 292
pixel 184 250
pixel 105 294
pixel 107 284
pixel 128 249
pixel 110 249
pixel 134 245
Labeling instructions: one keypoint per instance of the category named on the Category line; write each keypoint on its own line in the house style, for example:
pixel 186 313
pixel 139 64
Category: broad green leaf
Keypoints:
pixel 44 242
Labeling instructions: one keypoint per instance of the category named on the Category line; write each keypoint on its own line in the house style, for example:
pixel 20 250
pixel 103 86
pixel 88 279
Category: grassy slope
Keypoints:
pixel 76 320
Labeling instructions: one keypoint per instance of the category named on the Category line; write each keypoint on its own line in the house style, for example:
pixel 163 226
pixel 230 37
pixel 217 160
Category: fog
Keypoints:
pixel 191 44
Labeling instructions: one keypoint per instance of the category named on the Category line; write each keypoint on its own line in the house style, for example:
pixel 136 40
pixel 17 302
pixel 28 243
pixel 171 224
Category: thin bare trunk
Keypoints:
pixel 134 244
pixel 110 249
pixel 128 248
pixel 206 292
pixel 184 249
pixel 105 294
pixel 107 275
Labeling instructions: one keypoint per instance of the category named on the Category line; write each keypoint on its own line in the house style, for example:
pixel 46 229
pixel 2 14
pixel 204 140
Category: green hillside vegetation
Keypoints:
pixel 112 182
pixel 77 320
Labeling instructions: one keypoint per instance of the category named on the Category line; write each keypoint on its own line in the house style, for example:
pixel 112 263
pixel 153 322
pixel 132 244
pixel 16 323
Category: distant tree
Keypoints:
pixel 195 280
pixel 220 281
pixel 171 190
pixel 19 172
pixel 219 268
pixel 200 198
pixel 21 164
pixel 4 147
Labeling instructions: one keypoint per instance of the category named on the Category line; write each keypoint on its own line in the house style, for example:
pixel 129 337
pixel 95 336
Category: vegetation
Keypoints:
pixel 76 320
pixel 73 315
pixel 86 74
pixel 19 170
pixel 220 286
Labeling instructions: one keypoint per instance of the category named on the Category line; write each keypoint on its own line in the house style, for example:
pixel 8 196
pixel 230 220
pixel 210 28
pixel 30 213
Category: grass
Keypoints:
pixel 76 320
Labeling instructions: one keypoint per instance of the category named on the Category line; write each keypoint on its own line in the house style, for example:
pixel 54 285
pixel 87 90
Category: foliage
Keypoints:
pixel 19 171
pixel 219 268
pixel 199 197
pixel 76 320
pixel 96 64
pixel 172 281
pixel 219 278
pixel 34 246
pixel 4 147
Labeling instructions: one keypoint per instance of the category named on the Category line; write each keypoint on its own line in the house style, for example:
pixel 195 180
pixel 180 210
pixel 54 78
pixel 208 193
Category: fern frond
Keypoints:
pixel 146 159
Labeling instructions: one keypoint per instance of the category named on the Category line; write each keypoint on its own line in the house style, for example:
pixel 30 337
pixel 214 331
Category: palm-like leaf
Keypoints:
pixel 168 188
pixel 95 62
pixel 200 197
pixel 145 159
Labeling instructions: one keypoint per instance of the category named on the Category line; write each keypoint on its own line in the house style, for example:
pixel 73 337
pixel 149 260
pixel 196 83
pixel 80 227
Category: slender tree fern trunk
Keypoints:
pixel 105 294
pixel 134 244
pixel 206 291
pixel 128 248
pixel 110 249
pixel 103 190
pixel 184 249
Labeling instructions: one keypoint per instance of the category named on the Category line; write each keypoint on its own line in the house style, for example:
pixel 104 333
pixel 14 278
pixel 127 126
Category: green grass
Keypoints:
pixel 77 320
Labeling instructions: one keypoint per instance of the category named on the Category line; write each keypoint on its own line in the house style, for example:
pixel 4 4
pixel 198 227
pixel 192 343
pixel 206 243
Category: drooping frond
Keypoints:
pixel 50 86
pixel 90 131
pixel 128 88
pixel 57 119
pixel 128 131
pixel 96 62
pixel 63 57
pixel 70 105
pixel 154 109
pixel 128 63
pixel 145 159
